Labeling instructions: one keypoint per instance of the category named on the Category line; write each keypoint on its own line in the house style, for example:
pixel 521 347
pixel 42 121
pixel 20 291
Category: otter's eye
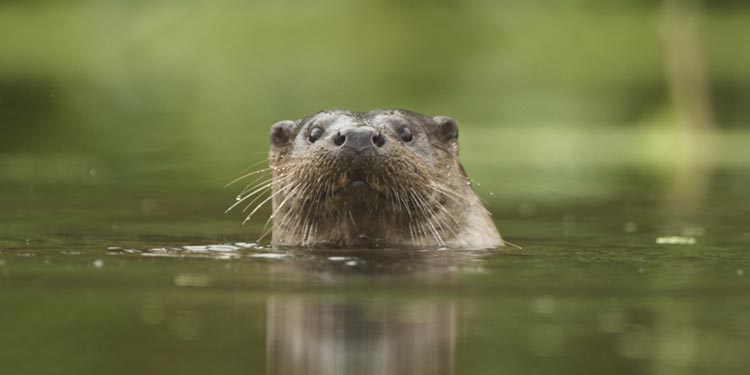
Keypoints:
pixel 405 134
pixel 315 134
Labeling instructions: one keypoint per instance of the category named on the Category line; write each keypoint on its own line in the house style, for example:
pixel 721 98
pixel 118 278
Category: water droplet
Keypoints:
pixel 98 263
pixel 740 272
pixel 92 172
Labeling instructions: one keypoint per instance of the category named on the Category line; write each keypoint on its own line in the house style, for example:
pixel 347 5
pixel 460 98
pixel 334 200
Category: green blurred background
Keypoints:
pixel 135 110
pixel 608 137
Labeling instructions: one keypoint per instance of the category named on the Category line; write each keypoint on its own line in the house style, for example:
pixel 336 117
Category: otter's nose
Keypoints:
pixel 358 139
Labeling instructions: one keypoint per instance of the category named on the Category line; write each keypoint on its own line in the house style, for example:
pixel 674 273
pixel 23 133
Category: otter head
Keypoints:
pixel 382 178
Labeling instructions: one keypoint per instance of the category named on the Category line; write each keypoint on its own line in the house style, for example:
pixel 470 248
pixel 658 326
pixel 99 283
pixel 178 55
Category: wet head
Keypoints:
pixel 381 178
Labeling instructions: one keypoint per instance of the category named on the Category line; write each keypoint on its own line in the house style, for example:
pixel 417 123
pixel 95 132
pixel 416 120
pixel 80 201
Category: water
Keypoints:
pixel 628 266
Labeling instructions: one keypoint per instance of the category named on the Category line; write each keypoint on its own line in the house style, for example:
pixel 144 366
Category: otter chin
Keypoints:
pixel 384 178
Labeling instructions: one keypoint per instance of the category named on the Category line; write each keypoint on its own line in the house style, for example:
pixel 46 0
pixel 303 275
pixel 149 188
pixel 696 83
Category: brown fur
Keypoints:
pixel 412 194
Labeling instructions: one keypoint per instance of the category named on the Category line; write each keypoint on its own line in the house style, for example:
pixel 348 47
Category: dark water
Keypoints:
pixel 630 265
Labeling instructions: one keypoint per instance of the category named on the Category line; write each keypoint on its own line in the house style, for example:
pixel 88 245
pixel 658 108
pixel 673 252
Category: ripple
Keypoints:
pixel 269 255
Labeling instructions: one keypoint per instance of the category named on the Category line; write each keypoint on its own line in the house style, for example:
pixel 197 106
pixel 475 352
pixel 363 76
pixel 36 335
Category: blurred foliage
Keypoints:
pixel 116 87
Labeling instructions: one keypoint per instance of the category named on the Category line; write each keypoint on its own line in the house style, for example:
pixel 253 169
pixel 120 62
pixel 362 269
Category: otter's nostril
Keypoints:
pixel 339 139
pixel 357 139
pixel 378 140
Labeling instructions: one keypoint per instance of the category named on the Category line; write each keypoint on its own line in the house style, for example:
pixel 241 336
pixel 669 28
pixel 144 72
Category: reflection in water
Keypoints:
pixel 689 91
pixel 314 336
pixel 351 335
pixel 541 311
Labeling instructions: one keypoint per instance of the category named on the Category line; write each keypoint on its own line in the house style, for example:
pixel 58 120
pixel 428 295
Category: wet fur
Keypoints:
pixel 417 194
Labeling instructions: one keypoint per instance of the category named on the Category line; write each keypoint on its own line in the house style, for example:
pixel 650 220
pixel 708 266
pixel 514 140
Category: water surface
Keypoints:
pixel 628 266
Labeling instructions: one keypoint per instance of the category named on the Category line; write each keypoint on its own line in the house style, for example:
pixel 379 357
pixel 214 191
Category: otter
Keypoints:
pixel 383 178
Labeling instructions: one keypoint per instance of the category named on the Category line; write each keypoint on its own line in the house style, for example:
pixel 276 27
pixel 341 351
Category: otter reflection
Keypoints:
pixel 347 333
pixel 312 336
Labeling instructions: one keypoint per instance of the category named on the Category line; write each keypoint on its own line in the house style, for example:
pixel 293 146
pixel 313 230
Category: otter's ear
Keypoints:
pixel 282 133
pixel 446 129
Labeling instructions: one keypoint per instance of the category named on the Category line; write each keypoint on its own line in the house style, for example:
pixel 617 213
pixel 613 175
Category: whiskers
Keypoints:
pixel 428 209
pixel 256 189
pixel 283 188
pixel 307 209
